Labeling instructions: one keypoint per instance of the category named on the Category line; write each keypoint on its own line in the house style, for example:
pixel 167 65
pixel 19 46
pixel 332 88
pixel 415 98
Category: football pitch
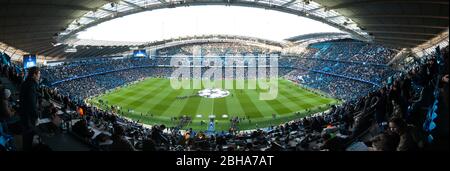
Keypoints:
pixel 153 101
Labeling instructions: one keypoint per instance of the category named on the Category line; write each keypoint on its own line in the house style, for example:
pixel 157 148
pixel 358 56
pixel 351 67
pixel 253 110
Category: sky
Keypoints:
pixel 202 20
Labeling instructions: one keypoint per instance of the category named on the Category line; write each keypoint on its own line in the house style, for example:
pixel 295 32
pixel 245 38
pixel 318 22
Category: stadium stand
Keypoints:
pixel 389 72
pixel 317 70
pixel 365 117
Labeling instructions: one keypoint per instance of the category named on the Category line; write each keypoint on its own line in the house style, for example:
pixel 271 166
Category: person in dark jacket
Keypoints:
pixel 380 111
pixel 120 142
pixel 407 142
pixel 29 106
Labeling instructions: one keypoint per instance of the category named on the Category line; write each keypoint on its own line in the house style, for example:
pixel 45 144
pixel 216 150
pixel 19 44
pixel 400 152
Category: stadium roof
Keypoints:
pixel 222 37
pixel 401 23
pixel 33 26
pixel 304 37
pixel 95 48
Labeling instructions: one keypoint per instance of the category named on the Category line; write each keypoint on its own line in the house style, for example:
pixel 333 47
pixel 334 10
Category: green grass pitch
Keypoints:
pixel 153 101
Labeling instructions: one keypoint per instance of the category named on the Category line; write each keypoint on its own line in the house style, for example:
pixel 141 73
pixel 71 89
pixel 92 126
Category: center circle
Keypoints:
pixel 213 93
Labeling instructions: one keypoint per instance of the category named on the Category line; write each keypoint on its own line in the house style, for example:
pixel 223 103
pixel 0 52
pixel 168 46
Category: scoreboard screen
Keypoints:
pixel 29 61
pixel 140 53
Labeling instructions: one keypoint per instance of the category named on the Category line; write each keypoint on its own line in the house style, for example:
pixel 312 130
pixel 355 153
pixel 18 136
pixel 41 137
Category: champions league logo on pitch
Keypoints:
pixel 236 72
pixel 213 93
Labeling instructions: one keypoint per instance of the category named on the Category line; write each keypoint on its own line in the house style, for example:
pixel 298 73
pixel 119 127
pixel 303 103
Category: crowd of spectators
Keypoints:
pixel 327 73
pixel 345 69
pixel 372 73
pixel 80 89
pixel 339 87
pixel 214 49
pixel 395 116
pixel 350 50
pixel 86 67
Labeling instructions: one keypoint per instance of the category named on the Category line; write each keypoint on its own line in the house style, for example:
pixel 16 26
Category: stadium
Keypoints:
pixel 224 75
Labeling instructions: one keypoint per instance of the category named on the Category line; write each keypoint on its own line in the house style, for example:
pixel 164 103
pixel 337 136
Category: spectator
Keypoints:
pixel 5 111
pixel 380 111
pixel 29 106
pixel 399 127
pixel 120 142
pixel 81 129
